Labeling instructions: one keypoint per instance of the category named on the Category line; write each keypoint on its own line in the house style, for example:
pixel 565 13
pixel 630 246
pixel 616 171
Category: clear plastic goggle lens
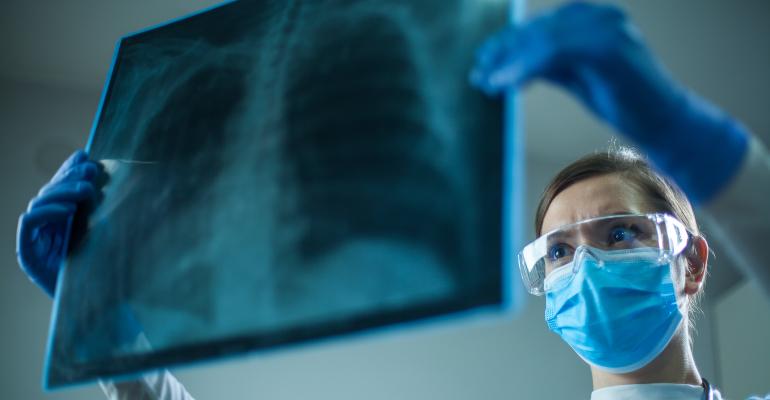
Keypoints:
pixel 556 249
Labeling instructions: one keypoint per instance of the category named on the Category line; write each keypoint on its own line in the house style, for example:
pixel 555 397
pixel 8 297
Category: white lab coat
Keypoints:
pixel 749 192
pixel 668 391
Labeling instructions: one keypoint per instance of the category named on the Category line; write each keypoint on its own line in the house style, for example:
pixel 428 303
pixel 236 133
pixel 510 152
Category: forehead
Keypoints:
pixel 593 197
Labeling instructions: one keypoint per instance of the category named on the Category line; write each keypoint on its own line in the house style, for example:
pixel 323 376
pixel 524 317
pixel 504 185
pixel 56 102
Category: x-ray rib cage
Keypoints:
pixel 283 171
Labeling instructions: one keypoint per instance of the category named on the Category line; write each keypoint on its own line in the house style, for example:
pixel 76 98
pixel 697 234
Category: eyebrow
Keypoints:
pixel 560 235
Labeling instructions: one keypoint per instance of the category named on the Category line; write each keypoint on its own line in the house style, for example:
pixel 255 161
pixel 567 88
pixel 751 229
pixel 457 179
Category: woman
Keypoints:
pixel 619 256
pixel 621 261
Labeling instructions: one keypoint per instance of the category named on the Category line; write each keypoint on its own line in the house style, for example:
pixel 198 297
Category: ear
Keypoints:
pixel 697 261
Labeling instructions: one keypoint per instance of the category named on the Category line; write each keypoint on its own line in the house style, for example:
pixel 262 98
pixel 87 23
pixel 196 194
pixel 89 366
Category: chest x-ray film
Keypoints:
pixel 283 171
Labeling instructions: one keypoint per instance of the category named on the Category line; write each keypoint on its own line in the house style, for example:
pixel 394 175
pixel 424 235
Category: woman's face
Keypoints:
pixel 611 194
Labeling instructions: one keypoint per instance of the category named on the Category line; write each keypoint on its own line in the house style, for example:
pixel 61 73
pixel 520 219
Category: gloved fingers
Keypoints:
pixel 490 54
pixel 78 192
pixel 573 36
pixel 31 222
pixel 512 58
pixel 495 47
pixel 39 241
pixel 76 158
pixel 85 170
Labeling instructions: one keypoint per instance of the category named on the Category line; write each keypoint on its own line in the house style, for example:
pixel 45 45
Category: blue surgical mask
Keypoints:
pixel 616 309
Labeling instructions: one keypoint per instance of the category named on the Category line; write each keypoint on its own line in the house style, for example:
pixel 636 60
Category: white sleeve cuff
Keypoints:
pixel 155 386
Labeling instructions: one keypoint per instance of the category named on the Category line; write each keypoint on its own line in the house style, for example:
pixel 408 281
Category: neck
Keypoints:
pixel 674 365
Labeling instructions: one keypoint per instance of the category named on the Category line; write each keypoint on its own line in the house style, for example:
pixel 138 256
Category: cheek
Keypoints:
pixel 678 268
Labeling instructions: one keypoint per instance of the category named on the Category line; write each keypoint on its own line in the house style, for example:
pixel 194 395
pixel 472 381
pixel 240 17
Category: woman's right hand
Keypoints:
pixel 594 52
pixel 44 229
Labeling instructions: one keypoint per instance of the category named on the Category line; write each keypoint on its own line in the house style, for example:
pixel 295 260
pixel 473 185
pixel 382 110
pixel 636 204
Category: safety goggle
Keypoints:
pixel 555 249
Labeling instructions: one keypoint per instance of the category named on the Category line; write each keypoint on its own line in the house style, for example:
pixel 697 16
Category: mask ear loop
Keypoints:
pixel 687 249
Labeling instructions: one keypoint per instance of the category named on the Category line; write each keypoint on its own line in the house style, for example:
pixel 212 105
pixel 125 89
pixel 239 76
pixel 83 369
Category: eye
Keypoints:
pixel 623 234
pixel 557 251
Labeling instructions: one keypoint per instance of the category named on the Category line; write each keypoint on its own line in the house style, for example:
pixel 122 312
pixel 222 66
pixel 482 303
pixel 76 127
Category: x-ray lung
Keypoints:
pixel 283 171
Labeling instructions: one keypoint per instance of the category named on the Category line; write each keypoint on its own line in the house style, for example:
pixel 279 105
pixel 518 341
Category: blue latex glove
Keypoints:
pixel 595 53
pixel 44 228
